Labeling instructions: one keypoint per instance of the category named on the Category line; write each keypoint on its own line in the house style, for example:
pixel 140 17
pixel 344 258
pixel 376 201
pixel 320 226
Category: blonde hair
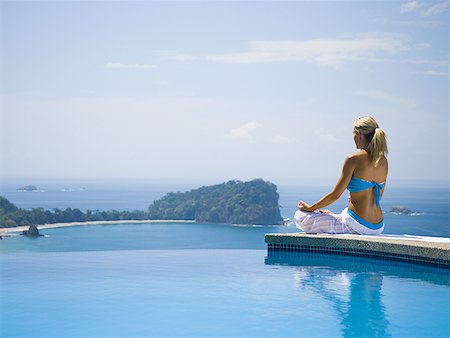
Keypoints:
pixel 377 147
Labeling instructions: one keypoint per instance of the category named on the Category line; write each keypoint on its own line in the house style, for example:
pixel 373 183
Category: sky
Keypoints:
pixel 221 90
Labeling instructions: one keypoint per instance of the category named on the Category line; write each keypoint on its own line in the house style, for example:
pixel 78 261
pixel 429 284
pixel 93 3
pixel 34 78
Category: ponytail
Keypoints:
pixel 377 147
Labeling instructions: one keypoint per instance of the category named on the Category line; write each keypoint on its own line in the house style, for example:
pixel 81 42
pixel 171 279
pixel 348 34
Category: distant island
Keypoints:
pixel 236 202
pixel 27 188
pixel 401 210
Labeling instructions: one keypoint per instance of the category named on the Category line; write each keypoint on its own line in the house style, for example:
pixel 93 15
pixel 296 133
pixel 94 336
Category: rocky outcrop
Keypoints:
pixel 31 232
pixel 401 210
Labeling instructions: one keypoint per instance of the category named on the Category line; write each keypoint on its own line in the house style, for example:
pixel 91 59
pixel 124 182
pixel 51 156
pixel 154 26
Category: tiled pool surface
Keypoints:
pixel 432 251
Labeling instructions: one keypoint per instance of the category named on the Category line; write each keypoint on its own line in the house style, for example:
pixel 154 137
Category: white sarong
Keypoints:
pixel 317 222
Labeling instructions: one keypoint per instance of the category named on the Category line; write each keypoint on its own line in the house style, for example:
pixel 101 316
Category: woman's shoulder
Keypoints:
pixel 358 156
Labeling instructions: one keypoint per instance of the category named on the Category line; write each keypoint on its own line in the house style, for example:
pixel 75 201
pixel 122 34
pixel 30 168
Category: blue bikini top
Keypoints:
pixel 356 184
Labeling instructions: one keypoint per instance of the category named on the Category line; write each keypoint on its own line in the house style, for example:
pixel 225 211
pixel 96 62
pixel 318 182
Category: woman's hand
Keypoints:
pixel 303 206
pixel 325 211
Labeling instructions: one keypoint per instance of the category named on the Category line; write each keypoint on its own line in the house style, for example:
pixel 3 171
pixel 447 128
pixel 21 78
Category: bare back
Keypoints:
pixel 363 202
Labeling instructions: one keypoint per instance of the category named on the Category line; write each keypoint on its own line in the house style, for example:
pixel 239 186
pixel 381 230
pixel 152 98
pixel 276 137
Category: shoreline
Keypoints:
pixel 4 231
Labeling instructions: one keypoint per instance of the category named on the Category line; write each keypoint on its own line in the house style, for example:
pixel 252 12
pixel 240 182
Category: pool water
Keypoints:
pixel 218 292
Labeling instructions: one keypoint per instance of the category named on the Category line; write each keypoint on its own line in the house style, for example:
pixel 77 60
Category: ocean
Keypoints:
pixel 430 202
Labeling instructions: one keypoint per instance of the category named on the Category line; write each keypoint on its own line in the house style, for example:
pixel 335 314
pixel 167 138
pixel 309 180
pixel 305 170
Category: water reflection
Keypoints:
pixel 353 286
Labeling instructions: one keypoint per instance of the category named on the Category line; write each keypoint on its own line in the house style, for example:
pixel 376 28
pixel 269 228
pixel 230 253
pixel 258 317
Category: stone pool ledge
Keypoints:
pixel 433 251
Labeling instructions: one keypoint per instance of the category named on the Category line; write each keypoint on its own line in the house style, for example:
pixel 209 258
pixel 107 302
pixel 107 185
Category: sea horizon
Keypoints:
pixel 429 202
pixel 305 181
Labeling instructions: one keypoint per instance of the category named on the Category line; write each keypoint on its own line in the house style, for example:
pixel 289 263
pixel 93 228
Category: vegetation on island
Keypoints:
pixel 237 202
pixel 11 215
pixel 254 202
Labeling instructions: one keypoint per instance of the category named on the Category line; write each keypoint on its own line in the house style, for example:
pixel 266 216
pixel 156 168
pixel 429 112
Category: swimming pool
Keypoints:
pixel 218 292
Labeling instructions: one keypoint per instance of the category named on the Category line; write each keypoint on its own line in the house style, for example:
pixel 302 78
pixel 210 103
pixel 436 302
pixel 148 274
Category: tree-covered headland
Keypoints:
pixel 237 202
pixel 253 202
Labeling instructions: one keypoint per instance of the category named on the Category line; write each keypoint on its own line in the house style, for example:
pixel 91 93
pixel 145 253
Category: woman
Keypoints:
pixel 364 174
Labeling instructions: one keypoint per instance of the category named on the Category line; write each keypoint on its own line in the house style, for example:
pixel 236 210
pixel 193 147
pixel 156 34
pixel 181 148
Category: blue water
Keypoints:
pixel 185 279
pixel 217 293
pixel 142 236
pixel 430 199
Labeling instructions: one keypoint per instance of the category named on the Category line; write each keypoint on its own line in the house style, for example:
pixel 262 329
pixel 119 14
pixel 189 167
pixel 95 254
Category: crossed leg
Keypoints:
pixel 317 222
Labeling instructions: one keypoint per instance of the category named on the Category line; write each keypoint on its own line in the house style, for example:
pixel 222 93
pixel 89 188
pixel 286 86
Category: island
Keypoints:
pixel 27 188
pixel 234 202
pixel 401 210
